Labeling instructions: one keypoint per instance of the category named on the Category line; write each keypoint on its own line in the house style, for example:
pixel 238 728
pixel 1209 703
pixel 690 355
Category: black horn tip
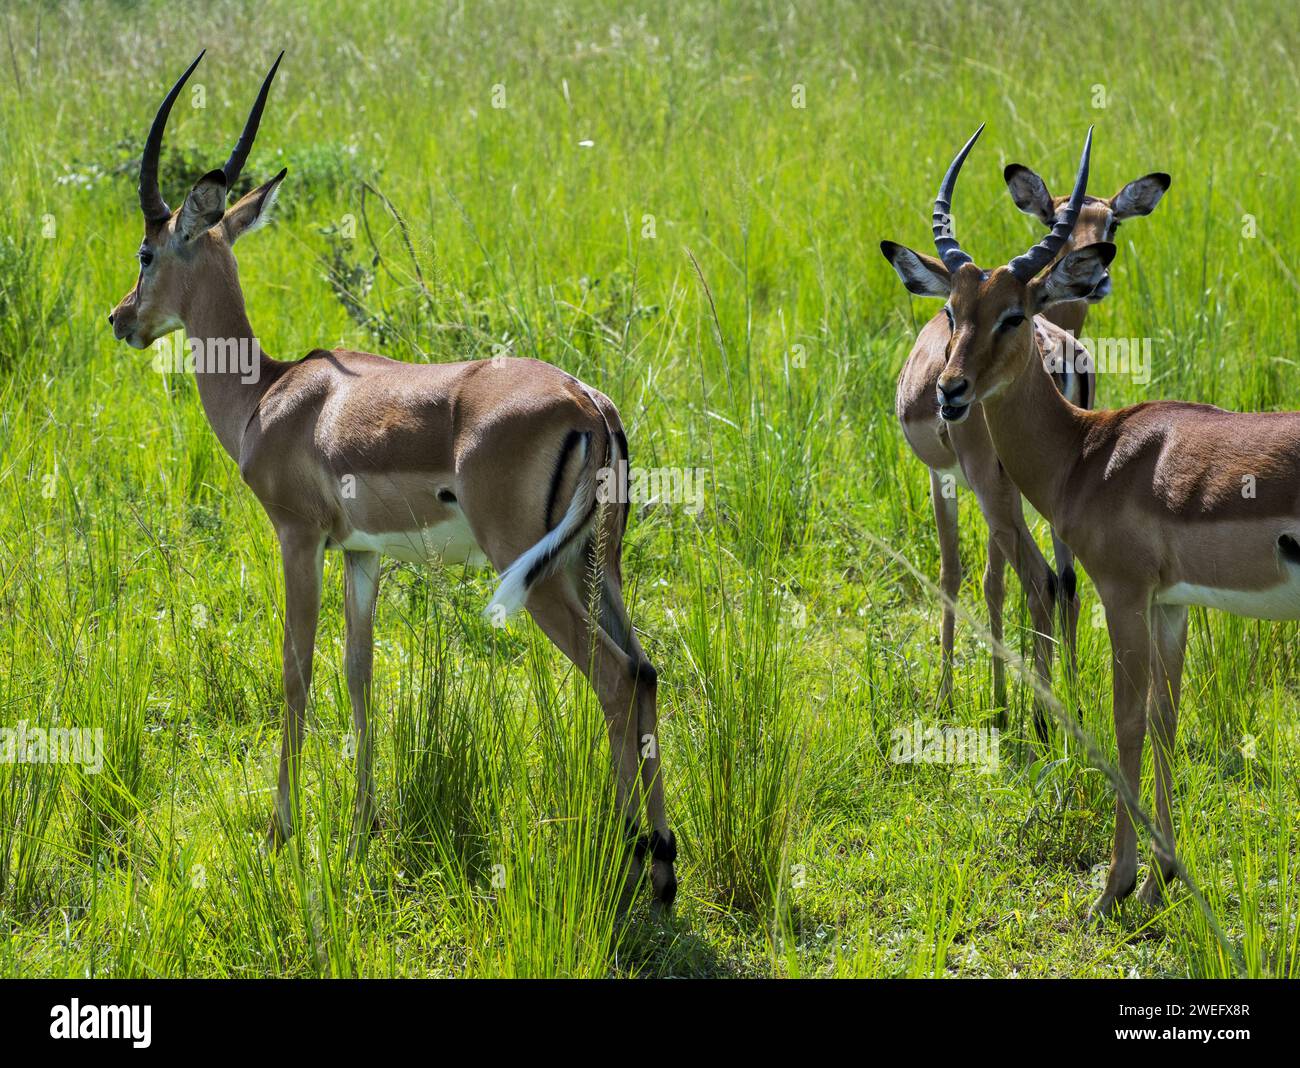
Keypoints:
pixel 190 69
pixel 239 155
pixel 152 204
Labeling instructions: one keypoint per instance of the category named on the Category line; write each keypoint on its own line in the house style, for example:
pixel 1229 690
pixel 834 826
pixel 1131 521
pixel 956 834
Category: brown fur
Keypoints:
pixel 420 444
pixel 1151 499
pixel 967 446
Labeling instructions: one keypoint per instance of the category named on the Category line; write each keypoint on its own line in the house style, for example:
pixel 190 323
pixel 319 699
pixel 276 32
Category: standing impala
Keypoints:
pixel 351 451
pixel 964 452
pixel 1167 504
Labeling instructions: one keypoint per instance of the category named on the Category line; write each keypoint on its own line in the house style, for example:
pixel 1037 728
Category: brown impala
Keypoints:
pixel 1167 504
pixel 964 453
pixel 495 459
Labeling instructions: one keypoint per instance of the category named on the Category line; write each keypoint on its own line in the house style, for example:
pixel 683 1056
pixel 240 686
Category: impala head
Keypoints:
pixel 1099 217
pixel 185 257
pixel 990 311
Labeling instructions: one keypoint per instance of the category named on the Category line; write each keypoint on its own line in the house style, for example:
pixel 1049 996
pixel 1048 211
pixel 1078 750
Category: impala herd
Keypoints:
pixel 500 461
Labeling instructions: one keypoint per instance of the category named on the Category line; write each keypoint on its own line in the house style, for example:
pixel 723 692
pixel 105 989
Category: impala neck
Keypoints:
pixel 232 372
pixel 1037 434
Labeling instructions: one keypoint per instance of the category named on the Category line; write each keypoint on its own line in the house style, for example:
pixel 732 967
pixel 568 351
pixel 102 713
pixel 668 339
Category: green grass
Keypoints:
pixel 140 589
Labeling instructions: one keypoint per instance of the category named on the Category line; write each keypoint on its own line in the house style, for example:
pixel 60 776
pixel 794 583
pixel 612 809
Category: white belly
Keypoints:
pixel 1277 602
pixel 448 542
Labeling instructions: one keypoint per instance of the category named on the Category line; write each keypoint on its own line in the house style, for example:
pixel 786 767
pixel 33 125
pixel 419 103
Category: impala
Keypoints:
pixel 490 459
pixel 1167 504
pixel 962 453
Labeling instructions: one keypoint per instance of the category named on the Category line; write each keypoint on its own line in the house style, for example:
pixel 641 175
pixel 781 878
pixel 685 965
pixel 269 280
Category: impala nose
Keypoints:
pixel 954 399
pixel 954 392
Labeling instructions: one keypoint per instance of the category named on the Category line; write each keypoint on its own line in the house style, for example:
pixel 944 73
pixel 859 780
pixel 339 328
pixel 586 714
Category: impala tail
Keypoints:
pixel 568 537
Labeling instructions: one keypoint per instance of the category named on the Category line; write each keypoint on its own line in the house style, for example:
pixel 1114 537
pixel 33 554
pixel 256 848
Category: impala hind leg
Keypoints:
pixel 557 608
pixel 1039 583
pixel 361 590
pixel 661 844
pixel 1169 633
pixel 1010 536
pixel 943 496
pixel 303 557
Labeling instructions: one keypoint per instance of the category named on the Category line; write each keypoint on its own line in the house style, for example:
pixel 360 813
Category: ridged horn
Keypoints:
pixel 1026 266
pixel 942 221
pixel 235 164
pixel 151 199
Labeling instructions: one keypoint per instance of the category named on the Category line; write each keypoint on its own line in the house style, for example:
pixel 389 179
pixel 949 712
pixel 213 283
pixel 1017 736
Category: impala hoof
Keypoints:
pixel 1154 889
pixel 664 882
pixel 1100 912
pixel 1105 907
pixel 663 878
pixel 276 835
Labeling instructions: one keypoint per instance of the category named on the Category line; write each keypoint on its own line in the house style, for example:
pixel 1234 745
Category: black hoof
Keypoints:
pixel 665 888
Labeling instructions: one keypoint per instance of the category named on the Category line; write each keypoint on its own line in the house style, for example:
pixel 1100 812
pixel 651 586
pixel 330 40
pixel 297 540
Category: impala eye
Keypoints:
pixel 146 257
pixel 1011 322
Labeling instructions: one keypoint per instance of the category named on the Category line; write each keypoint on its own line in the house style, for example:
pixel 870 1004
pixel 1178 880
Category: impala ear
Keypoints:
pixel 1030 193
pixel 203 207
pixel 253 209
pixel 1140 196
pixel 1074 277
pixel 923 275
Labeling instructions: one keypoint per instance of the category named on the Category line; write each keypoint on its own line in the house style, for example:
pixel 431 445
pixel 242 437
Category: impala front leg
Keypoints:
pixel 1127 618
pixel 1169 628
pixel 995 595
pixel 361 581
pixel 303 555
pixel 945 519
pixel 1069 604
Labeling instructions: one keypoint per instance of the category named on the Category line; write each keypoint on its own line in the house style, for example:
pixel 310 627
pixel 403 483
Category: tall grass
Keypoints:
pixel 140 590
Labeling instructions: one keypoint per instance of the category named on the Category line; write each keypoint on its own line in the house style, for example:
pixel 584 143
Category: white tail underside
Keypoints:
pixel 513 588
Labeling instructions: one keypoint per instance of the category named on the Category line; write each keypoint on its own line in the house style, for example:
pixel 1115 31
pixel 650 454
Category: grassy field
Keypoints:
pixel 553 164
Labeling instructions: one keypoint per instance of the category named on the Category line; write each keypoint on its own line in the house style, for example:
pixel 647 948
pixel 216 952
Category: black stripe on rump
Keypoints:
pixel 570 442
pixel 621 438
pixel 545 561
pixel 1290 549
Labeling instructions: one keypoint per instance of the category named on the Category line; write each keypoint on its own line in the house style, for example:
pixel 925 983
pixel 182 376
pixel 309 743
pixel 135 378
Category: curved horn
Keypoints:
pixel 151 200
pixel 235 163
pixel 1026 266
pixel 941 222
